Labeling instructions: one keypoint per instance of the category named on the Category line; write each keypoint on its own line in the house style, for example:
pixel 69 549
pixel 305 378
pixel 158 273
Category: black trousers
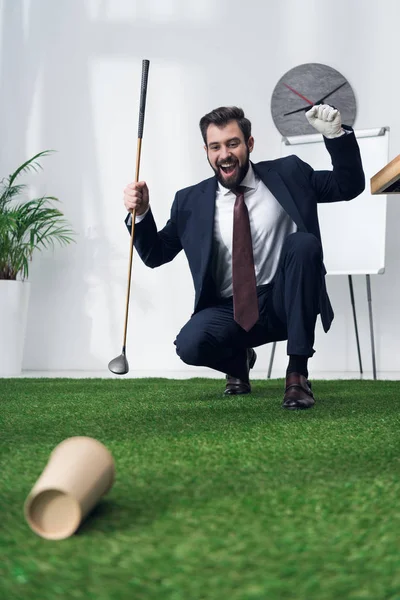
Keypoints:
pixel 288 308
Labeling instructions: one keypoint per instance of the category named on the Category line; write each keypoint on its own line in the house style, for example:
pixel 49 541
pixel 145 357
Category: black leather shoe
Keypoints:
pixel 235 386
pixel 298 394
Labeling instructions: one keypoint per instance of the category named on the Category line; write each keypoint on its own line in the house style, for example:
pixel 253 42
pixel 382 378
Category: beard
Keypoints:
pixel 231 181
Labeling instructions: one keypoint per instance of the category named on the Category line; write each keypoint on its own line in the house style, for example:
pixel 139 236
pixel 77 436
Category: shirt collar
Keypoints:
pixel 249 181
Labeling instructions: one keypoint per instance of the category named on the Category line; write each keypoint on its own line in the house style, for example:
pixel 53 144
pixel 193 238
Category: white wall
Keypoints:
pixel 70 81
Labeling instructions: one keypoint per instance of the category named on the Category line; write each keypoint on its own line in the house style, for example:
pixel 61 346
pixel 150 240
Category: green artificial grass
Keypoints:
pixel 215 498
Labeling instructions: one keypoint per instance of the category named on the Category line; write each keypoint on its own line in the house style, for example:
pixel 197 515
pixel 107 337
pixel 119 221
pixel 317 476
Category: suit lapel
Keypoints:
pixel 205 220
pixel 206 209
pixel 278 188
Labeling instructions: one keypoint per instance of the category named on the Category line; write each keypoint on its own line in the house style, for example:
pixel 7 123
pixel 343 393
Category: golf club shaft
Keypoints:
pixel 143 94
pixel 139 148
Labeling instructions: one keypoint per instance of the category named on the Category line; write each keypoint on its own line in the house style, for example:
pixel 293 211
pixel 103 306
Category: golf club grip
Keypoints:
pixel 145 74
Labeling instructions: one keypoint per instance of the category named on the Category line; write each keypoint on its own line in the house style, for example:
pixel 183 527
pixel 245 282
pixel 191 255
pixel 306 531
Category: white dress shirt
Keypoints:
pixel 269 224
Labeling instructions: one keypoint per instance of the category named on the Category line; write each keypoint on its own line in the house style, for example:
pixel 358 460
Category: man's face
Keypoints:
pixel 228 153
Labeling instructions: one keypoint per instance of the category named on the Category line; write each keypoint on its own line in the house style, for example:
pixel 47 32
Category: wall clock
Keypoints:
pixel 306 85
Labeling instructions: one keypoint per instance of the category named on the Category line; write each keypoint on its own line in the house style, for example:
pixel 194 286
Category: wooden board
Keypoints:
pixel 387 180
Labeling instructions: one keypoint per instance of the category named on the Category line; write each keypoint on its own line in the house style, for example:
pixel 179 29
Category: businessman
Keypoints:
pixel 252 240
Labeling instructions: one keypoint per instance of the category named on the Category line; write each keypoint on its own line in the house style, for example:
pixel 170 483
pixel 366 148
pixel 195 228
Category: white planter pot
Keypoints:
pixel 14 299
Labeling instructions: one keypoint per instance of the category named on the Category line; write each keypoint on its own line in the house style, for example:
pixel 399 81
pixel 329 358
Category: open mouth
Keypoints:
pixel 228 168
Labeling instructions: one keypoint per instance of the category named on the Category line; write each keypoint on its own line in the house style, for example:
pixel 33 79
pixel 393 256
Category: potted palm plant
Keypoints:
pixel 25 226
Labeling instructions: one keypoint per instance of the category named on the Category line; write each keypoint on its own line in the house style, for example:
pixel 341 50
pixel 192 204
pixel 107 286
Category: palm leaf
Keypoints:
pixel 28 226
pixel 29 165
pixel 9 192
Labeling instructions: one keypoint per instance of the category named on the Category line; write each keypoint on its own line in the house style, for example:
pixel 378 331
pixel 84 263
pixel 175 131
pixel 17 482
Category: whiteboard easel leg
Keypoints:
pixel 355 322
pixel 271 360
pixel 371 325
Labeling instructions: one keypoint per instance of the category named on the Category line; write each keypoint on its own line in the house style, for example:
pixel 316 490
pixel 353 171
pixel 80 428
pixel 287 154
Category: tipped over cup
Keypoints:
pixel 80 470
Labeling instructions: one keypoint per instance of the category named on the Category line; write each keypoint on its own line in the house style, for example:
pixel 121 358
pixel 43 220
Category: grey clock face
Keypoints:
pixel 303 86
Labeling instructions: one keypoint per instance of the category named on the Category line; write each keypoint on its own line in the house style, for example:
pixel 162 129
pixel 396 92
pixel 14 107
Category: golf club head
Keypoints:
pixel 119 365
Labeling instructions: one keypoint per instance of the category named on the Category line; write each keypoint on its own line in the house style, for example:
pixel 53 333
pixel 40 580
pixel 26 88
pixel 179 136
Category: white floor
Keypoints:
pixel 207 373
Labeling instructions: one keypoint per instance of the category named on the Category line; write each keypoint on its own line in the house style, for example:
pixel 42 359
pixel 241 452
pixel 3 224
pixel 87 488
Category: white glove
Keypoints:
pixel 326 120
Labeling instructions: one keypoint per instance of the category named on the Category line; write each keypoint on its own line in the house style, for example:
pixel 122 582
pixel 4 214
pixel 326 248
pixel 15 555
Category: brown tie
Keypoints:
pixel 245 303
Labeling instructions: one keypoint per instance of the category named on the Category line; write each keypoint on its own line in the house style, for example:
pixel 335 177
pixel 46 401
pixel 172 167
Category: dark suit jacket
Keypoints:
pixel 294 184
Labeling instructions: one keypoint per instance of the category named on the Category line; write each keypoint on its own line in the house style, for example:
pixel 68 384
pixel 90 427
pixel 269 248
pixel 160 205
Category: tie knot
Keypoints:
pixel 239 191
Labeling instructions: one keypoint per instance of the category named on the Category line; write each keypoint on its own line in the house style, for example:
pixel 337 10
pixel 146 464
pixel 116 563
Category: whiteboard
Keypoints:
pixel 353 233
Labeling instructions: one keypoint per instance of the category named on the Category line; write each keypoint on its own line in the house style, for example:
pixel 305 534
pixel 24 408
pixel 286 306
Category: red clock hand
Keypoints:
pixel 298 93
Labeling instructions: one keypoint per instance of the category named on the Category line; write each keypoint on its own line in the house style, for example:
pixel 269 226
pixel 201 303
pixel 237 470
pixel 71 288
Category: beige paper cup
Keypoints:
pixel 79 472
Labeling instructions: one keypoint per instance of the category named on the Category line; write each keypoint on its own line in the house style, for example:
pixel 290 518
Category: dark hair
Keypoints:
pixel 221 116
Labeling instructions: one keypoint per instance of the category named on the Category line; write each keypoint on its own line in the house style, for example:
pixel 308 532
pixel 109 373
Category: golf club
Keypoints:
pixel 120 365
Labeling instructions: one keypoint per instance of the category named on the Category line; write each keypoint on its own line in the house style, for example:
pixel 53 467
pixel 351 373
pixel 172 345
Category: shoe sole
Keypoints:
pixel 297 407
